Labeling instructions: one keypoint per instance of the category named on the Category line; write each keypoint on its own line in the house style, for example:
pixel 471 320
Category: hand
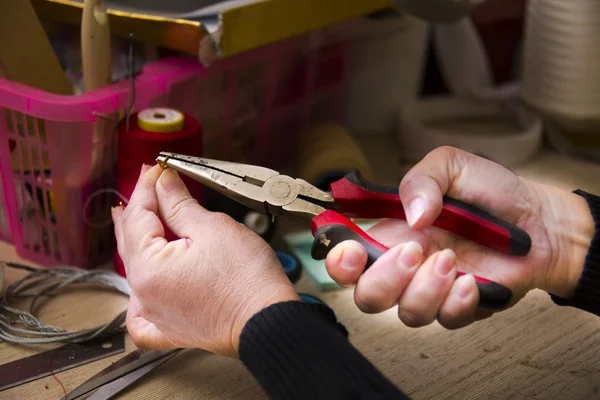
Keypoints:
pixel 198 291
pixel 418 273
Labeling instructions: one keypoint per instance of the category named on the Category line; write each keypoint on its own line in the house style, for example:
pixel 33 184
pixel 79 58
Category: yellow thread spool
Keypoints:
pixel 160 119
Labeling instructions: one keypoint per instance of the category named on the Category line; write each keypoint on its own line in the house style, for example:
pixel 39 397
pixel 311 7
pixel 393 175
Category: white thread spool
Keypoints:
pixel 257 222
pixel 488 128
pixel 561 63
pixel 478 117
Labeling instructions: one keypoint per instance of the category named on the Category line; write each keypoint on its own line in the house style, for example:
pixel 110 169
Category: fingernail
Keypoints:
pixel 143 169
pixel 351 256
pixel 463 286
pixel 445 262
pixel 410 256
pixel 415 211
pixel 170 181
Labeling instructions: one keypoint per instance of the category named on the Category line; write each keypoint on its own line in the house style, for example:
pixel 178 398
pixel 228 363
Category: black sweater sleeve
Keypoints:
pixel 587 293
pixel 298 350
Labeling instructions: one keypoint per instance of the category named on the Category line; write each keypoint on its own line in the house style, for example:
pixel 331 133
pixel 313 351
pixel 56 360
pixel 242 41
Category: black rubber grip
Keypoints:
pixel 492 295
pixel 336 234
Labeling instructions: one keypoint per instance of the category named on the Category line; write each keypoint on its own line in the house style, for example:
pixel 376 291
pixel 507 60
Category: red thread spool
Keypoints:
pixel 151 131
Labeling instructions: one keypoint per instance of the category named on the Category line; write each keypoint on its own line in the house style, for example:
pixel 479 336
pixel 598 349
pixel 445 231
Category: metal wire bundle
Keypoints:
pixel 19 326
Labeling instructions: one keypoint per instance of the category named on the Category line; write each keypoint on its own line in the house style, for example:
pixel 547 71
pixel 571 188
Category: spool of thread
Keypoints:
pixel 504 132
pixel 327 152
pixel 151 131
pixel 561 60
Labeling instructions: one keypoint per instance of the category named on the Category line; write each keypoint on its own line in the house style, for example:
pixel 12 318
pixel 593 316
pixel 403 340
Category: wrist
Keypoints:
pixel 573 229
pixel 277 294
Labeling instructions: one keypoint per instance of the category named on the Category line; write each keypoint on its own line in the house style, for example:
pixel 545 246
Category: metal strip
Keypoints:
pixel 105 377
pixel 110 390
pixel 57 360
pixel 95 382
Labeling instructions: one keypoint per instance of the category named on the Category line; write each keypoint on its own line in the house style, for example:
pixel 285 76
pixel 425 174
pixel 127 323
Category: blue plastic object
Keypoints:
pixel 307 298
pixel 291 266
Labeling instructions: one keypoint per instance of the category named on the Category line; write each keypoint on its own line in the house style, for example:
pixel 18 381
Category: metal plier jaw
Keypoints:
pixel 258 188
pixel 267 191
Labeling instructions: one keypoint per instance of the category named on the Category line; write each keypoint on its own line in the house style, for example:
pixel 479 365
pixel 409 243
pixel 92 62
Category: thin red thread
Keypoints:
pixel 57 380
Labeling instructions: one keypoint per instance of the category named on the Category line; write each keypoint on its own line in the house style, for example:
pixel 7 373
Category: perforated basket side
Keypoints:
pixel 55 152
pixel 5 231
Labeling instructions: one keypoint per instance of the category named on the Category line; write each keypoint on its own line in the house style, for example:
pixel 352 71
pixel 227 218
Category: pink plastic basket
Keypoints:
pixel 55 151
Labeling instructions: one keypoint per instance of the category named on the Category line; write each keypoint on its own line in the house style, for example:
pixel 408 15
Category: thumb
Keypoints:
pixel 177 208
pixel 459 175
pixel 346 262
pixel 145 335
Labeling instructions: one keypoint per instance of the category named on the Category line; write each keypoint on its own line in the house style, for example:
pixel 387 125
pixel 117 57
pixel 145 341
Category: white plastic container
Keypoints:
pixel 561 63
pixel 385 72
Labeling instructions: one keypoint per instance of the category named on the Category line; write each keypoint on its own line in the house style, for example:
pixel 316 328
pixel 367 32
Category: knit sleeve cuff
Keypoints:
pixel 298 350
pixel 587 293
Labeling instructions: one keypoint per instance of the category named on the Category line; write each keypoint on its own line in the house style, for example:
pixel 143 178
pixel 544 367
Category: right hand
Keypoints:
pixel 418 272
pixel 200 290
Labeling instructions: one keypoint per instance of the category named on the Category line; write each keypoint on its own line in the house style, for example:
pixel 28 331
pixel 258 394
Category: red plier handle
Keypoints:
pixel 358 198
pixel 331 228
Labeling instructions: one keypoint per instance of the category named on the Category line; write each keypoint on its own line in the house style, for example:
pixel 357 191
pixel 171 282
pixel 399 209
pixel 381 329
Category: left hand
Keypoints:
pixel 418 273
pixel 198 291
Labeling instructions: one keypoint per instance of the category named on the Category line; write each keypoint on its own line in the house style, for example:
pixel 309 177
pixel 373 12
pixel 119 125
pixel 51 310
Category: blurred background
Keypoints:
pixel 313 89
pixel 92 89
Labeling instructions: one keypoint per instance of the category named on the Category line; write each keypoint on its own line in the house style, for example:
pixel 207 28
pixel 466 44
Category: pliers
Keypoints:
pixel 267 191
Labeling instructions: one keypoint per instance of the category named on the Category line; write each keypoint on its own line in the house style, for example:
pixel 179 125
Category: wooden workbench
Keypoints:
pixel 533 351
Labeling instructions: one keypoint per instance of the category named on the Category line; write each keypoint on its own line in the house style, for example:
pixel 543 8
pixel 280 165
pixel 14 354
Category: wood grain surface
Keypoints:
pixel 534 351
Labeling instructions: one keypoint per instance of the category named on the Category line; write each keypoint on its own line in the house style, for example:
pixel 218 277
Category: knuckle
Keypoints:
pixel 223 223
pixel 448 154
pixel 151 244
pixel 172 248
pixel 220 218
pixel 145 240
pixel 454 317
pixel 138 339
pixel 451 157
pixel 411 318
pixel 452 324
pixel 179 208
pixel 368 301
pixel 145 312
pixel 451 319
pixel 130 213
pixel 446 150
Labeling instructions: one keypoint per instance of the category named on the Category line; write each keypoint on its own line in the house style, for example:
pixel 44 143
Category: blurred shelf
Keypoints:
pixel 234 26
